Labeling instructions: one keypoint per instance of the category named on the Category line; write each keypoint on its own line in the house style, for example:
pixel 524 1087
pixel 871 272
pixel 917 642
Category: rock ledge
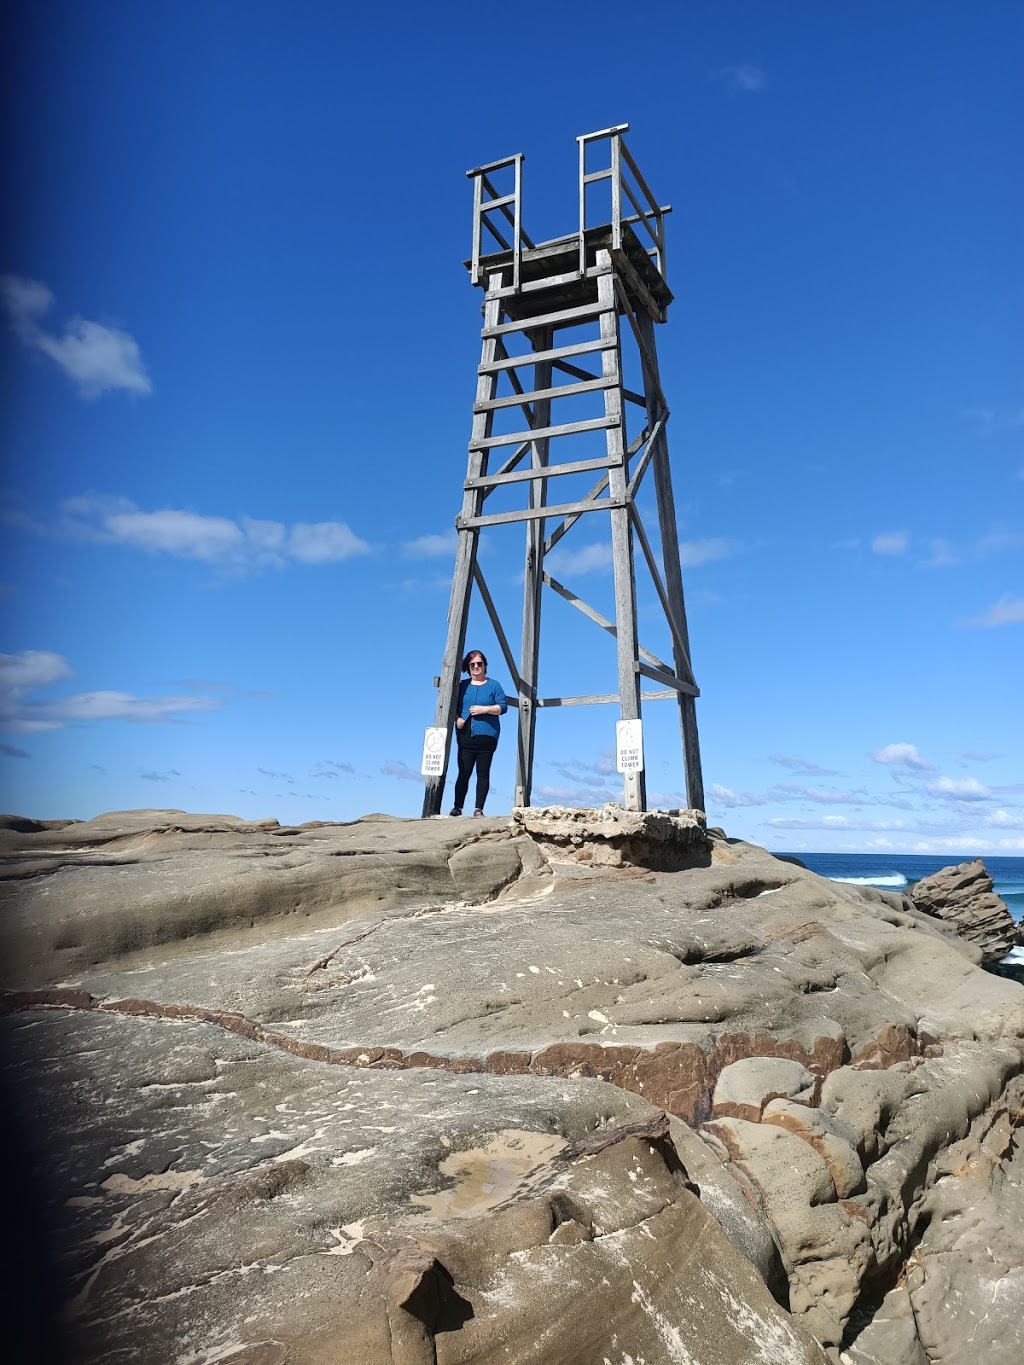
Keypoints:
pixel 608 836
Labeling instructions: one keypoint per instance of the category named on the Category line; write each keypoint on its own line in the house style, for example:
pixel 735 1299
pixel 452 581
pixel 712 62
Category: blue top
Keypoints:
pixel 487 693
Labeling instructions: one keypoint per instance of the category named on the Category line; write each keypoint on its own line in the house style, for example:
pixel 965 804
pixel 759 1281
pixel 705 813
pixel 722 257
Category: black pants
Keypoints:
pixel 468 759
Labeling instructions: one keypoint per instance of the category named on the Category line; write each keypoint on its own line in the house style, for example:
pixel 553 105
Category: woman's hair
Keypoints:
pixel 472 652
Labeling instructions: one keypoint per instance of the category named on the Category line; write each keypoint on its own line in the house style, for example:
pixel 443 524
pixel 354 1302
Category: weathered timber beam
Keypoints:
pixel 499 631
pixel 670 615
pixel 662 694
pixel 556 353
pixel 594 615
pixel 669 679
pixel 560 391
pixel 539 472
pixel 530 513
pixel 562 317
pixel 645 458
pixel 512 438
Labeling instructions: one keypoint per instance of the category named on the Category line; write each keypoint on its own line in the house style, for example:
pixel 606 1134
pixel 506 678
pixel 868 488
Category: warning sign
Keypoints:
pixel 629 746
pixel 433 752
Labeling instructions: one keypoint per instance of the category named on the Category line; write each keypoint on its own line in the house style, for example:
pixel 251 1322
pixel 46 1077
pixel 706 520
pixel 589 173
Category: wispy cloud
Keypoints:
pixel 1008 611
pixel 578 769
pixel 695 552
pixel 329 768
pixel 834 822
pixel 394 768
pixel 891 543
pixel 232 689
pixel 279 777
pixel 21 674
pixel 588 782
pixel 431 547
pixel 593 794
pixel 902 755
pixel 161 777
pixel 741 78
pixel 801 765
pixel 975 756
pixel 822 796
pixel 12 751
pixel 245 543
pixel 730 800
pixel 942 554
pixel 991 421
pixel 96 357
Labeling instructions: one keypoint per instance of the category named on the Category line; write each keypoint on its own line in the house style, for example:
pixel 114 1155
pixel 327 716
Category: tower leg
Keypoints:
pixel 465 556
pixel 662 473
pixel 634 784
pixel 533 583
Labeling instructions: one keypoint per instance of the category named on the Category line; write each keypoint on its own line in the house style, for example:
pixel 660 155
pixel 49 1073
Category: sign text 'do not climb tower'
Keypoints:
pixel 561 321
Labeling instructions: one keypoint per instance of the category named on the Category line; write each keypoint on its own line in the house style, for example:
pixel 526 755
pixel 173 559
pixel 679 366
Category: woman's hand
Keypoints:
pixel 481 710
pixel 459 723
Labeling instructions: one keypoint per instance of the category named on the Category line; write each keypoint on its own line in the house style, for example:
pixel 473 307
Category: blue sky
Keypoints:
pixel 239 355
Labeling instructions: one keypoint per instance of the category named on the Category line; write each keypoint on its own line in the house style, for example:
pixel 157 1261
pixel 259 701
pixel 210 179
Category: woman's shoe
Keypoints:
pixel 455 810
pixel 478 811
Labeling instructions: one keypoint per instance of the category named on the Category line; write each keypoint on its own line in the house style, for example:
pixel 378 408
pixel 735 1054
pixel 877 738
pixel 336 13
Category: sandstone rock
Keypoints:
pixel 964 897
pixel 612 837
pixel 349 1031
pixel 827 1138
pixel 224 1201
pixel 744 1088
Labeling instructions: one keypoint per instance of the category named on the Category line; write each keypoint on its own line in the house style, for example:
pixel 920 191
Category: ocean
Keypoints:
pixel 898 871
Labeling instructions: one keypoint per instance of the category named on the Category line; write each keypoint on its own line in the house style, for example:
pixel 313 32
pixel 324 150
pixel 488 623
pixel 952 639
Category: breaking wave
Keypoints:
pixel 893 879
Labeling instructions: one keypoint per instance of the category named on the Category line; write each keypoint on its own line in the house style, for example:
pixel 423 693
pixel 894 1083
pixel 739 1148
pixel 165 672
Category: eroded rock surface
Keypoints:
pixel 609 836
pixel 404 1085
pixel 963 896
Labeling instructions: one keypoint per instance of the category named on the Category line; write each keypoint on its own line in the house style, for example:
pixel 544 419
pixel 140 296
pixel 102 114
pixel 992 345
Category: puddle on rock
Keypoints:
pixel 486 1176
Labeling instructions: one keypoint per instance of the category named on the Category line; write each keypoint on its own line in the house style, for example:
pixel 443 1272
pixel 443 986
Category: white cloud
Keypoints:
pixel 742 78
pixel 587 559
pixel 245 543
pixel 725 796
pixel 890 543
pixel 32 669
pixel 185 535
pixel 959 789
pixel 97 358
pixel 1005 819
pixel 902 756
pixel 835 822
pixel 432 547
pixel 694 552
pixel 1008 611
pixel 324 542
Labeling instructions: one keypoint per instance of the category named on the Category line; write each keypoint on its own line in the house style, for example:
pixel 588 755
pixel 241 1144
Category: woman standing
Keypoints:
pixel 481 701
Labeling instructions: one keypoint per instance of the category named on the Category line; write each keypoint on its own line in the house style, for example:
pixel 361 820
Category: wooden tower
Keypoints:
pixel 560 320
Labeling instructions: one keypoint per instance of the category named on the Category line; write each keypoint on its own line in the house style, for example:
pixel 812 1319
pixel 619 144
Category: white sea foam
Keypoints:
pixel 894 879
pixel 1015 955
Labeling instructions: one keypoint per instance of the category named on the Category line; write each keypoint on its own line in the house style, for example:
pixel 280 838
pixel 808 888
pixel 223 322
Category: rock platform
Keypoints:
pixel 446 1091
